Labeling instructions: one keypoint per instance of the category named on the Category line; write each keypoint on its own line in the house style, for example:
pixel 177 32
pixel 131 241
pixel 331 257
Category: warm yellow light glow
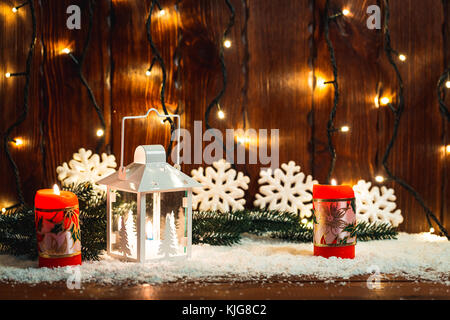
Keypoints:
pixel 56 190
pixel 162 12
pixel 447 84
pixel 66 50
pixel 14 9
pixel 385 100
pixel 447 148
pixel 7 74
pixel 227 43
pixel 345 12
pixel 431 230
pixel 3 210
pixel 333 182
pixel 100 133
pixel 304 220
pixel 18 141
pixel 221 114
pixel 345 129
pixel 321 83
pixel 402 57
pixel 148 73
pixel 379 179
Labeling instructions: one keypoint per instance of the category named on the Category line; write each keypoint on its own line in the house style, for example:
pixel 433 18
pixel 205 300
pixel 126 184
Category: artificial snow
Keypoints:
pixel 415 256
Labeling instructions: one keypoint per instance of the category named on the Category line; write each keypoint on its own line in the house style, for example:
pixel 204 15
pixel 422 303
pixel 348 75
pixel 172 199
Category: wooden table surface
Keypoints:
pixel 276 289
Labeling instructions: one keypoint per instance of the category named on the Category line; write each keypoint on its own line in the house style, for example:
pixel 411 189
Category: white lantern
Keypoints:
pixel 149 205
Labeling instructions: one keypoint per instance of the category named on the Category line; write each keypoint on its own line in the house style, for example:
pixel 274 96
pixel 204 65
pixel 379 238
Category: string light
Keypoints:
pixel 432 230
pixel 333 182
pixel 18 142
pixel 162 12
pixel 221 114
pixel 345 12
pixel 3 210
pixel 100 133
pixel 65 50
pixel 320 83
pixel 447 84
pixel 16 8
pixel 345 129
pixel 385 100
pixel 227 43
pixel 379 179
pixel 304 221
pixel 447 148
pixel 8 75
pixel 402 57
pixel 148 73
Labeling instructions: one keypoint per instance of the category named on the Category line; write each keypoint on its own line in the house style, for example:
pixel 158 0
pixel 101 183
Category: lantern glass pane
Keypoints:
pixel 124 225
pixel 166 234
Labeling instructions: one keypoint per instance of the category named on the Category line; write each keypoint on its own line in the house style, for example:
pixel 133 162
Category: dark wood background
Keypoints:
pixel 285 42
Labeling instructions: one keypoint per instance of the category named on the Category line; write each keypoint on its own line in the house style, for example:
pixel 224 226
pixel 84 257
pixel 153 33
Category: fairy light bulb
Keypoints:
pixel 100 133
pixel 447 84
pixel 345 12
pixel 385 100
pixel 18 142
pixel 304 221
pixel 447 148
pixel 148 73
pixel 402 57
pixel 7 75
pixel 14 9
pixel 345 129
pixel 221 114
pixel 162 12
pixel 3 210
pixel 379 179
pixel 333 182
pixel 66 51
pixel 227 43
pixel 431 230
pixel 321 83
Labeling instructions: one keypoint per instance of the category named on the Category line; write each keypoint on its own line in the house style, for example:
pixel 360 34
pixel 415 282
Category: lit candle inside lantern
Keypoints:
pixel 334 221
pixel 57 228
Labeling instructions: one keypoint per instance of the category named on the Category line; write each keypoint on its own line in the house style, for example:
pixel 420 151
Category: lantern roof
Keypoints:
pixel 149 173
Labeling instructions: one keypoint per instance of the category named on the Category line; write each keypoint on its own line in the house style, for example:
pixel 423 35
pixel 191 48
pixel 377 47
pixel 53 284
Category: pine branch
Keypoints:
pixel 375 231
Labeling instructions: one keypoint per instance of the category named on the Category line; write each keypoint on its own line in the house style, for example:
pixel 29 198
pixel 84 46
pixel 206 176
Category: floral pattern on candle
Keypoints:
pixel 58 232
pixel 334 223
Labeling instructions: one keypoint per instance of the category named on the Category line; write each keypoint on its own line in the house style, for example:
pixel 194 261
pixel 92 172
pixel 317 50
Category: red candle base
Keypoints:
pixel 347 252
pixel 59 262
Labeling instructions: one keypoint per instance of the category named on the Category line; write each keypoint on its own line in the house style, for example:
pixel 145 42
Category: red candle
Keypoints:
pixel 334 221
pixel 58 228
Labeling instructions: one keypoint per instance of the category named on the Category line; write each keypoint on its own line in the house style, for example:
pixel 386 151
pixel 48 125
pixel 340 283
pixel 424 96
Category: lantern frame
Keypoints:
pixel 149 174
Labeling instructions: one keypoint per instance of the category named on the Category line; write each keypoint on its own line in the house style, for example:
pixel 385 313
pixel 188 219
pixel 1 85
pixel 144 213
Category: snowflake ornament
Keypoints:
pixel 375 204
pixel 85 167
pixel 286 190
pixel 223 188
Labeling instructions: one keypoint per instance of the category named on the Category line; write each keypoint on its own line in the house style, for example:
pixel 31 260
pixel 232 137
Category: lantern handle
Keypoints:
pixel 122 145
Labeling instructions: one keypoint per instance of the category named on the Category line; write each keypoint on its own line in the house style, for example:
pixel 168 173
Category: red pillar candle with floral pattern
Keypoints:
pixel 58 228
pixel 334 221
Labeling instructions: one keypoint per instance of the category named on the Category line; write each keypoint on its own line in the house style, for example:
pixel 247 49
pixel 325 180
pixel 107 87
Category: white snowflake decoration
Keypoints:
pixel 375 204
pixel 223 188
pixel 286 190
pixel 85 167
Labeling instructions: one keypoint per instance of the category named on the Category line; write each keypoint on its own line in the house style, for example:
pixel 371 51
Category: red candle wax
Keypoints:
pixel 58 228
pixel 334 221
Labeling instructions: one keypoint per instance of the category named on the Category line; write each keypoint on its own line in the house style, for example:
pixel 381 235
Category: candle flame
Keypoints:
pixel 56 190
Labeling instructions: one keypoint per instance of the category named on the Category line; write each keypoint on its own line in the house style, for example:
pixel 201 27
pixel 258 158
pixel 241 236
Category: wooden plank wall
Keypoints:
pixel 286 44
